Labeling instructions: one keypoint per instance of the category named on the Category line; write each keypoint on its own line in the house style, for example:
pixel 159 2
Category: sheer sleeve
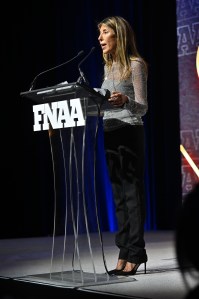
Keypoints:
pixel 138 98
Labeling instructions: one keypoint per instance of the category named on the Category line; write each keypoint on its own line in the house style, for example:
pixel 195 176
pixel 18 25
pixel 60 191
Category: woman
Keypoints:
pixel 125 76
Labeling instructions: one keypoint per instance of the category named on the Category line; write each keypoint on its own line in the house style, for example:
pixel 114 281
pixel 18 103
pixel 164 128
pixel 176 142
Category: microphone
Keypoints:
pixel 82 76
pixel 32 86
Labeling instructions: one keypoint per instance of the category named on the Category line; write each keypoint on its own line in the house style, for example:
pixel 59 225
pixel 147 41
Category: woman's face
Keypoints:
pixel 107 40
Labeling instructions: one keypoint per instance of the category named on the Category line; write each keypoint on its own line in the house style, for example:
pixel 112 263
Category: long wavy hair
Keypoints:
pixel 126 49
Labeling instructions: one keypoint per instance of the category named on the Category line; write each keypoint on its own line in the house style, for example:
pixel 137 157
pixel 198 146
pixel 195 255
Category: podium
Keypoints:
pixel 72 116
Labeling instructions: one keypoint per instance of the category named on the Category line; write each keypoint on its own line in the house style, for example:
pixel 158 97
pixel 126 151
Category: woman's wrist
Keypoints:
pixel 125 99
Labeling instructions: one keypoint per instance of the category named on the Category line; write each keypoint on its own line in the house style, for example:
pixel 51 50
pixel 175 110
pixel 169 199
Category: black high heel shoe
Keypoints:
pixel 115 271
pixel 121 263
pixel 132 272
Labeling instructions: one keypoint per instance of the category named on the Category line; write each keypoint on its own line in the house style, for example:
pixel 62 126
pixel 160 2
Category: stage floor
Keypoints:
pixel 27 269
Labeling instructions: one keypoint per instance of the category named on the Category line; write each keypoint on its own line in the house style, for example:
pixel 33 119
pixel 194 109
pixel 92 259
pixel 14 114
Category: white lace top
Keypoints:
pixel 135 87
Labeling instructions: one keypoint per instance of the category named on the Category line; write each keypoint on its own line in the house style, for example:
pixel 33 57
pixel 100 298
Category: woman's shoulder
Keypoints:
pixel 138 64
pixel 137 61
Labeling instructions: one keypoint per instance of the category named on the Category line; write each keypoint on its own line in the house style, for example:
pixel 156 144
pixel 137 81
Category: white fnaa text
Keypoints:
pixel 62 114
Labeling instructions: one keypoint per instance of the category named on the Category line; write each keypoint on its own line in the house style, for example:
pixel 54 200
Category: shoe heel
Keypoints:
pixel 145 268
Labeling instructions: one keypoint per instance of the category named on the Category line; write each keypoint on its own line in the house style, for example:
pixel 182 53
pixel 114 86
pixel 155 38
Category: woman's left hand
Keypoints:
pixel 117 99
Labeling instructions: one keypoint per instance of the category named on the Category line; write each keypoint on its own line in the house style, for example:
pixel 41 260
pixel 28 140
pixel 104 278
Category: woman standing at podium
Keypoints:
pixel 125 76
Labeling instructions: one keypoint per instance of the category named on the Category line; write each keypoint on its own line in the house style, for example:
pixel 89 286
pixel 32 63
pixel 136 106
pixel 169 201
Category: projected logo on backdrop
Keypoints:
pixel 188 41
pixel 62 114
pixel 182 149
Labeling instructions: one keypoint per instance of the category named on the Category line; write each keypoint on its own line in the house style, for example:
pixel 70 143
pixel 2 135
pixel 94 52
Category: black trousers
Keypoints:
pixel 125 159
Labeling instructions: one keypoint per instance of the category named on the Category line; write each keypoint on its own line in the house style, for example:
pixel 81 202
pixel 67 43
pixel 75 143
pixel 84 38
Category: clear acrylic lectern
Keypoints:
pixel 71 115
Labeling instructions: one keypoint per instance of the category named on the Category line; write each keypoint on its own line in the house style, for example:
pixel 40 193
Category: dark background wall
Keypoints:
pixel 38 35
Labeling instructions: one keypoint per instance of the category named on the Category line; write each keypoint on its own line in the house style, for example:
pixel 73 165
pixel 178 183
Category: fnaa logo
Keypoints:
pixel 63 114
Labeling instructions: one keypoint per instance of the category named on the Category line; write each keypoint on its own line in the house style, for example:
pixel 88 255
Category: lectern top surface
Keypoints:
pixel 75 89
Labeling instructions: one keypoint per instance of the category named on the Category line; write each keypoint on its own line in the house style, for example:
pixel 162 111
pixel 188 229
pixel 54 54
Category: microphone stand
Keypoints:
pixel 32 86
pixel 82 79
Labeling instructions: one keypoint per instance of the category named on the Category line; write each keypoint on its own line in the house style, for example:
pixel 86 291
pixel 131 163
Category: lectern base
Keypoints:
pixel 72 279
